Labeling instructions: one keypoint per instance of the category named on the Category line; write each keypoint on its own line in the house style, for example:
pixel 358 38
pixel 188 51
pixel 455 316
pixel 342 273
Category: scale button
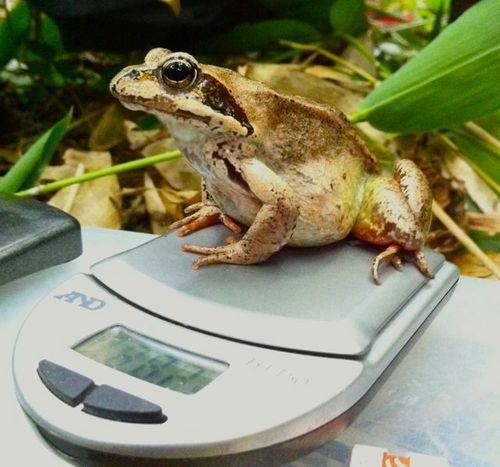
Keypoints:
pixel 108 402
pixel 69 386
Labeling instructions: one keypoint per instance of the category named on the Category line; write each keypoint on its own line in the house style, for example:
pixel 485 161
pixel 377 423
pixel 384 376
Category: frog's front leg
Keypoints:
pixel 396 213
pixel 271 228
pixel 203 214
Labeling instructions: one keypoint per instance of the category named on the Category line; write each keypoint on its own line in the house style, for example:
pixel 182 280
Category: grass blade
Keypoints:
pixel 484 158
pixel 27 169
pixel 453 80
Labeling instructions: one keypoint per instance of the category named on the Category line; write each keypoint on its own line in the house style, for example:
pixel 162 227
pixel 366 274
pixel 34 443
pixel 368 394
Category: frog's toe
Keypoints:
pixel 422 264
pixel 198 223
pixel 200 250
pixel 233 253
pixel 389 254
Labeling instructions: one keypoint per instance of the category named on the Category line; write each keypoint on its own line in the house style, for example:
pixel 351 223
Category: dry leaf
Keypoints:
pixel 464 174
pixel 159 218
pixel 327 72
pixel 57 172
pixel 178 173
pixel 470 265
pixel 109 131
pixel 489 223
pixel 137 138
pixel 93 203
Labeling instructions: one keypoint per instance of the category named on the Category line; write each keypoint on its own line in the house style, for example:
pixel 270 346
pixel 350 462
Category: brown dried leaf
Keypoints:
pixel 109 130
pixel 178 174
pixel 137 138
pixel 489 223
pixel 462 173
pixel 470 265
pixel 57 172
pixel 158 215
pixel 93 203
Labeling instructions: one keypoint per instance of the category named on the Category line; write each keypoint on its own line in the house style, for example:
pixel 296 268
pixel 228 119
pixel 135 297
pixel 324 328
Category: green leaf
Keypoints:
pixel 484 158
pixel 26 171
pixel 348 17
pixel 250 37
pixel 14 25
pixel 50 34
pixel 486 242
pixel 491 123
pixel 453 80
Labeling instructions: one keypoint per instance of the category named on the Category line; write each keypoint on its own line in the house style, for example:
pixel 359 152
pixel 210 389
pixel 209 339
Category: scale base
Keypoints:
pixel 271 456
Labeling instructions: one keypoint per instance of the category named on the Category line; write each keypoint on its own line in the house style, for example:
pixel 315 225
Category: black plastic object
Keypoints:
pixel 69 386
pixel 34 236
pixel 108 402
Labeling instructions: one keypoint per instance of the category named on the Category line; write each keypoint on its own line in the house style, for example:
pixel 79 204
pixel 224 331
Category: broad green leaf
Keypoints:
pixel 50 34
pixel 25 172
pixel 348 17
pixel 14 24
pixel 453 80
pixel 263 35
pixel 482 157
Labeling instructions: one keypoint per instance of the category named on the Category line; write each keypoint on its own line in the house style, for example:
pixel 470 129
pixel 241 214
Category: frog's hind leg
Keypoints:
pixel 396 213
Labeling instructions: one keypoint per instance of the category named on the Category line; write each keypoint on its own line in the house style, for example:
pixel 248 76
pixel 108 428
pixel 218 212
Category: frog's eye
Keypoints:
pixel 179 72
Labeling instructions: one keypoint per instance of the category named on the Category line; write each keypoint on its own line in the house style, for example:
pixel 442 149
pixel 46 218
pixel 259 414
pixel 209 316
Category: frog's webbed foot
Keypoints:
pixel 203 215
pixel 392 254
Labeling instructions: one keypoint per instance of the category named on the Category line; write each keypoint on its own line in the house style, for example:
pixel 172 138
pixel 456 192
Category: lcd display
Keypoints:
pixel 153 361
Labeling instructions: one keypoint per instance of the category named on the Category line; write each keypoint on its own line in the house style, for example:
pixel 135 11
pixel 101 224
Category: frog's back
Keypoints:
pixel 314 149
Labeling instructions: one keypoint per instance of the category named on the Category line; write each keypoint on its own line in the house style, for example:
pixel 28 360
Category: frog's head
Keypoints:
pixel 174 86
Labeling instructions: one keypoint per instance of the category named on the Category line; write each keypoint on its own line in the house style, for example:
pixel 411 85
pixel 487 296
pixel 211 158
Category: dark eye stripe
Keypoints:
pixel 217 97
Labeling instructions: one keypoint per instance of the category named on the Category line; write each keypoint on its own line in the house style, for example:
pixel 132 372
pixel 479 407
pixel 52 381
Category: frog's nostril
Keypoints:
pixel 133 74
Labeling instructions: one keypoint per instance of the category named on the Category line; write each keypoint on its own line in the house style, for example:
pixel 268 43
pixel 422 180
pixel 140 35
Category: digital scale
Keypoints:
pixel 148 359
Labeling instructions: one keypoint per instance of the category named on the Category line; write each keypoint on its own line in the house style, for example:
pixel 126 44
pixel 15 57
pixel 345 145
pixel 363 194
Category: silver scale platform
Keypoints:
pixel 304 337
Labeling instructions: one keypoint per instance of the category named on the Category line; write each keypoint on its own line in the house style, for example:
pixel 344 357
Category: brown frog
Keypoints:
pixel 292 170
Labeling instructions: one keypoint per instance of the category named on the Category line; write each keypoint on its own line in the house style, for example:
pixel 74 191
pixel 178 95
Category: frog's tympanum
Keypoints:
pixel 292 170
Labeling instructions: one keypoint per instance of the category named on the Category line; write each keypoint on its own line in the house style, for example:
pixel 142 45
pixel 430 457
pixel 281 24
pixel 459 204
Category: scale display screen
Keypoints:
pixel 150 360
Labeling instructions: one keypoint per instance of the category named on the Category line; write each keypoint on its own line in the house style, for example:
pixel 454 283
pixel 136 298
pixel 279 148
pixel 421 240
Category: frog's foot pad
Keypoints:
pixel 234 253
pixel 392 254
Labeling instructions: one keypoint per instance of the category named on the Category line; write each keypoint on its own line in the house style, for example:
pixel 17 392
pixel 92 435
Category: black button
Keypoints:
pixel 69 386
pixel 109 402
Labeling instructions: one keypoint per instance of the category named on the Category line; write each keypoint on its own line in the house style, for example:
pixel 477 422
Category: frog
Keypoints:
pixel 292 171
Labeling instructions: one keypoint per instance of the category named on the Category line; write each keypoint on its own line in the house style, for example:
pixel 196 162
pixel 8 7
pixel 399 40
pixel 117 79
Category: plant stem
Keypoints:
pixel 333 57
pixel 464 239
pixel 116 169
pixel 483 135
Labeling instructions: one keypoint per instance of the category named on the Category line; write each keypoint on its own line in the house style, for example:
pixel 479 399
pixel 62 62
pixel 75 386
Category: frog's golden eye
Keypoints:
pixel 179 72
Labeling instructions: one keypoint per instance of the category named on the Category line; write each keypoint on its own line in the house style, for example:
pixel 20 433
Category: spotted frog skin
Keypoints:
pixel 292 170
